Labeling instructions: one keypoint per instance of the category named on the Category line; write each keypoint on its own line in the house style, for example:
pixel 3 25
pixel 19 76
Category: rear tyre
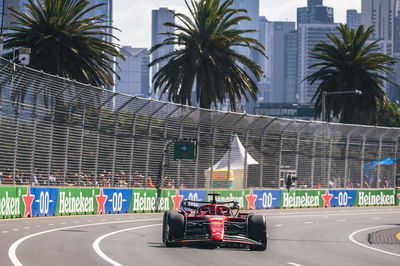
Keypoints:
pixel 257 229
pixel 173 228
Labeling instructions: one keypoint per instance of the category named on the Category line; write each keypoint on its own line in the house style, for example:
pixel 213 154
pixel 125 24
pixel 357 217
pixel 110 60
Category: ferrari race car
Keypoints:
pixel 214 223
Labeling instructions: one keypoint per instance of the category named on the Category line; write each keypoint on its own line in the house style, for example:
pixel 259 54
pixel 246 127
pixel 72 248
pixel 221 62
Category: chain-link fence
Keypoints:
pixel 55 131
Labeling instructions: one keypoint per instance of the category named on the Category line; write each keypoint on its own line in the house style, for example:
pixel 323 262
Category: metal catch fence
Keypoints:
pixel 55 131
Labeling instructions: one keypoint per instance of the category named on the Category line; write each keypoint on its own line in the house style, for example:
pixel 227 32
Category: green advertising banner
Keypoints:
pixel 145 200
pixel 231 195
pixel 79 201
pixel 303 199
pixel 377 197
pixel 13 201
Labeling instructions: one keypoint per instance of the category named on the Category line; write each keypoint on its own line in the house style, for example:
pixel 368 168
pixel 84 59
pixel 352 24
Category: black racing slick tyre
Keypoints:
pixel 173 227
pixel 257 229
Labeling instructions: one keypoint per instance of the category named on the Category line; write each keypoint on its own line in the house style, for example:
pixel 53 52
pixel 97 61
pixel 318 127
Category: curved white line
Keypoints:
pixel 98 250
pixel 13 248
pixel 351 237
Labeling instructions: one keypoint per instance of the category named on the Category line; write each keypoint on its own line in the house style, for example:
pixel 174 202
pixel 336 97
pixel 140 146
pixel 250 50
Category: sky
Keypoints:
pixel 133 17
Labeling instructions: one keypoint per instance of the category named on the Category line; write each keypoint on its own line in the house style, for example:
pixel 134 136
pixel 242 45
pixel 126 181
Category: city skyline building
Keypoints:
pixel 308 36
pixel 106 10
pixel 6 18
pixel 265 82
pixel 353 18
pixel 315 13
pixel 278 39
pixel 381 14
pixel 134 72
pixel 158 18
pixel 253 12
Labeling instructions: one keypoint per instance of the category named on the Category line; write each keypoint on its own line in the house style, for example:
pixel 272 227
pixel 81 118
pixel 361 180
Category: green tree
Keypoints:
pixel 351 62
pixel 204 56
pixel 64 40
pixel 388 115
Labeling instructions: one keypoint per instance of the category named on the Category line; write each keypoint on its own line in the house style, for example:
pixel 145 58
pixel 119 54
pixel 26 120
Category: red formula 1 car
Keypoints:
pixel 214 223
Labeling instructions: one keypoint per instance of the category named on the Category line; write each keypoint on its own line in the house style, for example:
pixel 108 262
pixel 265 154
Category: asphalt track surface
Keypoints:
pixel 336 236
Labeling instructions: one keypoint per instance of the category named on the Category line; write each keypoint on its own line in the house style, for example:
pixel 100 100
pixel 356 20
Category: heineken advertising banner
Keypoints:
pixel 80 201
pixel 230 195
pixel 15 202
pixel 41 201
pixel 304 199
pixel 263 199
pixel 44 201
pixel 117 200
pixel 378 197
pixel 145 200
pixel 342 198
pixel 398 196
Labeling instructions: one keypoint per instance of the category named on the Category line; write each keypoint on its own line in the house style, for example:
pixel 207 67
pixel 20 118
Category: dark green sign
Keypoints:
pixel 185 150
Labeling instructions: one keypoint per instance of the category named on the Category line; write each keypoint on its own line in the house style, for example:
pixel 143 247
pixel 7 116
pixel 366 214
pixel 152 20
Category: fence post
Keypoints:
pixel 395 161
pixel 165 147
pixel 198 148
pixel 329 161
pixel 149 141
pixel 314 146
pixel 133 133
pixel 262 154
pixel 229 147
pixel 180 136
pixel 69 108
pixel 34 129
pixel 96 164
pixel 379 158
pixel 213 148
pixel 246 149
pixel 280 151
pixel 346 158
pixel 17 123
pixel 298 150
pixel 115 135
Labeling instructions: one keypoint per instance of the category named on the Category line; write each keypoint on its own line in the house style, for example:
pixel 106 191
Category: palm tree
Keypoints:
pixel 65 41
pixel 204 56
pixel 351 62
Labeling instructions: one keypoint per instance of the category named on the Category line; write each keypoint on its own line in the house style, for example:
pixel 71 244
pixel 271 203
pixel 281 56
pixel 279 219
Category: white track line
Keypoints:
pixel 13 248
pixel 294 264
pixel 351 237
pixel 98 250
pixel 270 216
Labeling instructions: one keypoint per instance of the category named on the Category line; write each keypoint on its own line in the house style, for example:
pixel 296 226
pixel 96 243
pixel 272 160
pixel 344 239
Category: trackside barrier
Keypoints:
pixel 378 197
pixel 398 197
pixel 40 201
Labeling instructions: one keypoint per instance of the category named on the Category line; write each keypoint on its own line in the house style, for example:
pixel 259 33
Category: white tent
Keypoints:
pixel 235 156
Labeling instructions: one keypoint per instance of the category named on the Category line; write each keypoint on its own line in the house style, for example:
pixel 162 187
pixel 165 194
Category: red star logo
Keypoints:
pixel 101 200
pixel 251 200
pixel 177 200
pixel 398 195
pixel 28 199
pixel 327 198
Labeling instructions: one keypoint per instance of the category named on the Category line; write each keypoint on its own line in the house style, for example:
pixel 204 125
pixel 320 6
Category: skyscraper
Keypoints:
pixel 106 10
pixel 253 12
pixel 264 83
pixel 134 72
pixel 315 13
pixel 382 15
pixel 308 36
pixel 353 18
pixel 158 19
pixel 5 17
pixel 279 43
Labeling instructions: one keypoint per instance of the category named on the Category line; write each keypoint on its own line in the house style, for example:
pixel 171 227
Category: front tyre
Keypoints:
pixel 173 228
pixel 257 230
